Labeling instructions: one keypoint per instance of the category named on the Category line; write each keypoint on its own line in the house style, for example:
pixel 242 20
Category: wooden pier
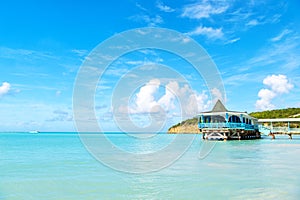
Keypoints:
pixel 270 124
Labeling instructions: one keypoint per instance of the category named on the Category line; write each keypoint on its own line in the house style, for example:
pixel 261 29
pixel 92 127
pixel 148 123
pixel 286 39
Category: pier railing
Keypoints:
pixel 229 125
pixel 279 129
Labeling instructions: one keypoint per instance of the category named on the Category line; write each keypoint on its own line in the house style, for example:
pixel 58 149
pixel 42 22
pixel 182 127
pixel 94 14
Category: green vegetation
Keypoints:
pixel 280 113
pixel 187 122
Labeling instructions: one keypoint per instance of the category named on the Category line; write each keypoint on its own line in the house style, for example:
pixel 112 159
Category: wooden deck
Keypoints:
pixel 229 134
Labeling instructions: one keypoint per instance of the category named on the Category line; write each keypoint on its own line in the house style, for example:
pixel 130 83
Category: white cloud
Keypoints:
pixel 202 101
pixel 149 20
pixel 190 101
pixel 263 19
pixel 232 40
pixel 140 7
pixel 80 52
pixel 233 18
pixel 145 101
pixel 274 19
pixel 167 101
pixel 266 96
pixel 281 35
pixel 217 95
pixel 252 22
pixel 204 9
pixel 278 84
pixel 209 32
pixel 163 7
pixel 153 21
pixel 186 40
pixel 4 88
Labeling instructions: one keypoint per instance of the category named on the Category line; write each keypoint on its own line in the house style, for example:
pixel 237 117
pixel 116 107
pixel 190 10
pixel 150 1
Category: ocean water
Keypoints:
pixel 58 166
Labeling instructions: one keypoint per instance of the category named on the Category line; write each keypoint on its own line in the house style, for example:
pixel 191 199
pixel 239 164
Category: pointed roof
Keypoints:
pixel 219 107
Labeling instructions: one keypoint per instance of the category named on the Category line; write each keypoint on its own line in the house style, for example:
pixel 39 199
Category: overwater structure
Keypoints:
pixel 222 124
pixel 286 125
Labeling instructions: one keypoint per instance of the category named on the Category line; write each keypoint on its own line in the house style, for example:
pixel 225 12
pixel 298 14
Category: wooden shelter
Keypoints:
pixel 222 124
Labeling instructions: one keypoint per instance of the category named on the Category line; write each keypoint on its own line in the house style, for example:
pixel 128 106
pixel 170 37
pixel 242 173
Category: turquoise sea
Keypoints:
pixel 58 166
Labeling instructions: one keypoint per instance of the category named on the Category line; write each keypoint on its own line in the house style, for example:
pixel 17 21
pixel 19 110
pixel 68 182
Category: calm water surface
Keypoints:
pixel 57 166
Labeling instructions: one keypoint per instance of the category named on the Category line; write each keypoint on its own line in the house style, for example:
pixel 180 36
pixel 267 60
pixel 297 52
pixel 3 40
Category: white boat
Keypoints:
pixel 34 132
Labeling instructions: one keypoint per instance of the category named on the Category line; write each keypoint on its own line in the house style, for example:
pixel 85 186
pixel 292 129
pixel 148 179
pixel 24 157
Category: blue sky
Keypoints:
pixel 255 45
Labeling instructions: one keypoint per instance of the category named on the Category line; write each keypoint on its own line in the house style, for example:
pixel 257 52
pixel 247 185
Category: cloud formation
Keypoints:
pixel 226 19
pixel 282 49
pixel 278 84
pixel 4 88
pixel 149 20
pixel 252 22
pixel 163 7
pixel 204 9
pixel 61 116
pixel 281 35
pixel 145 100
pixel 209 32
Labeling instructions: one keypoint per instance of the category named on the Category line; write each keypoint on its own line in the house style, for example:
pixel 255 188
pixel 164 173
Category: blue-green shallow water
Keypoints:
pixel 57 166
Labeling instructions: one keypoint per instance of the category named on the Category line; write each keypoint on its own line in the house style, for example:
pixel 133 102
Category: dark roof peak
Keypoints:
pixel 219 107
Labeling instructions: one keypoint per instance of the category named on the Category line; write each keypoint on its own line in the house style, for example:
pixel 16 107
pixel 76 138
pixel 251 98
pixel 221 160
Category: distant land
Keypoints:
pixel 191 126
